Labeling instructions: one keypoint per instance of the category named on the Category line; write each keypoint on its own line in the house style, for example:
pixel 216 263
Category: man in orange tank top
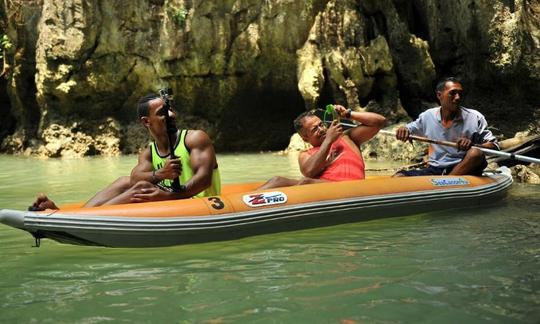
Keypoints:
pixel 336 155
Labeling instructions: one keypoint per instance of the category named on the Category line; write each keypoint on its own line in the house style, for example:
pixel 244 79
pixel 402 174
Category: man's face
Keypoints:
pixel 450 97
pixel 157 116
pixel 313 130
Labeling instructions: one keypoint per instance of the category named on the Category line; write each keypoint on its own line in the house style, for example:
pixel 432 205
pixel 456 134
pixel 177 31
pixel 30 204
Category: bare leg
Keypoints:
pixel 305 181
pixel 278 181
pixel 470 164
pixel 116 188
pixel 126 195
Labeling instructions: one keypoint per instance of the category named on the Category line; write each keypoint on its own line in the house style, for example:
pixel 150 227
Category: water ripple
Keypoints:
pixel 477 265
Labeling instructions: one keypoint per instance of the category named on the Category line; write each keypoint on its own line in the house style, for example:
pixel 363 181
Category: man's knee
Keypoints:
pixel 305 181
pixel 142 184
pixel 278 181
pixel 123 179
pixel 475 155
pixel 123 183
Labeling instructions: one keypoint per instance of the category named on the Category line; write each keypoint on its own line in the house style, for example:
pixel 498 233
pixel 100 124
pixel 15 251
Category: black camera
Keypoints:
pixel 166 95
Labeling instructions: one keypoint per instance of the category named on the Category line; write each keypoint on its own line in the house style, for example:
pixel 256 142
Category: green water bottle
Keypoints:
pixel 331 112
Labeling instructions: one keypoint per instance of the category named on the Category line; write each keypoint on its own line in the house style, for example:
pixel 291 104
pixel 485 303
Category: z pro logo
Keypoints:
pixel 265 199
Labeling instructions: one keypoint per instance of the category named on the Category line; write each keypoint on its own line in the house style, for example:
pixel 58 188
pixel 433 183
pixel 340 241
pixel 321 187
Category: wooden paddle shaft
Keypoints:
pixel 483 149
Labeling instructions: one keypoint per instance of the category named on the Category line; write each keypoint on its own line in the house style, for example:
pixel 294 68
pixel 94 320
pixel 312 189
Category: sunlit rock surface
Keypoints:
pixel 243 69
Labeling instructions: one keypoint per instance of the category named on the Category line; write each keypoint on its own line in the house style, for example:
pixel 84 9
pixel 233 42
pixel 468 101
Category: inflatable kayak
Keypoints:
pixel 243 211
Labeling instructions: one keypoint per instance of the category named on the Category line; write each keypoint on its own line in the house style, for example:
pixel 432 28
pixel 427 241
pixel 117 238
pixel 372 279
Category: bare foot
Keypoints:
pixel 42 202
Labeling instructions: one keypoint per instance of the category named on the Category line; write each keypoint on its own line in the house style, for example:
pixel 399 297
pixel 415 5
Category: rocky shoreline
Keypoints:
pixel 72 71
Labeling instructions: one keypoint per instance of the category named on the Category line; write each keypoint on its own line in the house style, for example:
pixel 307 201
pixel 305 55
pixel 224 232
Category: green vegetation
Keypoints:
pixel 309 5
pixel 5 45
pixel 179 16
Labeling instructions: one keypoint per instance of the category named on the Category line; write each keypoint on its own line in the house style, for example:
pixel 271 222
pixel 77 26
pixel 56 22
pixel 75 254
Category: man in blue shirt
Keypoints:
pixel 451 122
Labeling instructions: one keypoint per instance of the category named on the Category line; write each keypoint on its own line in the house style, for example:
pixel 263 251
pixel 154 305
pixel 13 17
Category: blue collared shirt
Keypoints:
pixel 467 123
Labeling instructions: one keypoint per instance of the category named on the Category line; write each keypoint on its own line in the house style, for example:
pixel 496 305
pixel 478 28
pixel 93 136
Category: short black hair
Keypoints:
pixel 299 121
pixel 142 105
pixel 442 83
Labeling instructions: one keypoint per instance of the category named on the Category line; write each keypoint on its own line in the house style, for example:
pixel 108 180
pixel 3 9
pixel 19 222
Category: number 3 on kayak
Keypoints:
pixel 217 203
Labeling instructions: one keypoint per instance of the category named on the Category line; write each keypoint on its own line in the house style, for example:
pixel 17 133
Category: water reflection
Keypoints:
pixel 472 265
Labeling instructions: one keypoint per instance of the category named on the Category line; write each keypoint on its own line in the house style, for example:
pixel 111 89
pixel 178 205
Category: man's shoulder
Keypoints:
pixel 196 137
pixel 433 110
pixel 430 113
pixel 146 152
pixel 195 132
pixel 468 112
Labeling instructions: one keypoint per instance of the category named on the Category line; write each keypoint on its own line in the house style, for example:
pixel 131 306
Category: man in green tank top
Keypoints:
pixel 195 164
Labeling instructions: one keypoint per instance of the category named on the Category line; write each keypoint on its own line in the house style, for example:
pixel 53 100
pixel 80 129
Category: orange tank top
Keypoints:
pixel 349 165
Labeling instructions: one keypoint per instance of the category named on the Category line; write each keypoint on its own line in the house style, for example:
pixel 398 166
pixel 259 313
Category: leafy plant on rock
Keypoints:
pixel 179 16
pixel 5 45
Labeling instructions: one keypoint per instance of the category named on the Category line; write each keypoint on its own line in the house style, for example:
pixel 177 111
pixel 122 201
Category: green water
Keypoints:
pixel 472 266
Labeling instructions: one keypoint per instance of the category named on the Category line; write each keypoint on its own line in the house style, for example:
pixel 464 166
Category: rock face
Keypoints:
pixel 243 69
pixel 526 175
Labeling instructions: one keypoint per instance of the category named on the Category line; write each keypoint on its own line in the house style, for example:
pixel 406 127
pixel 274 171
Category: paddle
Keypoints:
pixel 483 149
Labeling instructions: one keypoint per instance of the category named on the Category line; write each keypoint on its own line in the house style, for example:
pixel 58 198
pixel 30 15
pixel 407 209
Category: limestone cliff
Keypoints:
pixel 242 69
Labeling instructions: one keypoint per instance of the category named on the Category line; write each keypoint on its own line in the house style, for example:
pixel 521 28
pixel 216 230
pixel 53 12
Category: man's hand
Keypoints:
pixel 149 194
pixel 463 144
pixel 403 134
pixel 332 157
pixel 333 132
pixel 342 111
pixel 171 170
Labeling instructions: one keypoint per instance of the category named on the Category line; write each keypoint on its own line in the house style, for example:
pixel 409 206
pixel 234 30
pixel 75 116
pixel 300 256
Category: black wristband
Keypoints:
pixel 348 113
pixel 154 178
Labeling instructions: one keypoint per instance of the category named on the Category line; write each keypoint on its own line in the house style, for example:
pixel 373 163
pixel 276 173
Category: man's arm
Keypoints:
pixel 490 145
pixel 371 123
pixel 416 127
pixel 144 171
pixel 312 165
pixel 464 144
pixel 203 162
pixel 483 137
pixel 488 139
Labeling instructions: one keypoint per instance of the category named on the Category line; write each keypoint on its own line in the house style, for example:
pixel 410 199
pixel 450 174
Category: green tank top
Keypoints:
pixel 181 151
